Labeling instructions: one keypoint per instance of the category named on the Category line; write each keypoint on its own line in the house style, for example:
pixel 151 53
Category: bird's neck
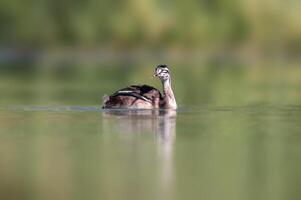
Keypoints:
pixel 168 95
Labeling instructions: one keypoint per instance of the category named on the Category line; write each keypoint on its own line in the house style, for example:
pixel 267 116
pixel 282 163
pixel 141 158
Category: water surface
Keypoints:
pixel 70 152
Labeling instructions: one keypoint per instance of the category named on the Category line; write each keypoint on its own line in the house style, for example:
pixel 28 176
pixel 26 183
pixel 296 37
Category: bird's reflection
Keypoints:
pixel 160 123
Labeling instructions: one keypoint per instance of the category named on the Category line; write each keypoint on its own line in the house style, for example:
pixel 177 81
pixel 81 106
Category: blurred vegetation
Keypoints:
pixel 75 51
pixel 268 25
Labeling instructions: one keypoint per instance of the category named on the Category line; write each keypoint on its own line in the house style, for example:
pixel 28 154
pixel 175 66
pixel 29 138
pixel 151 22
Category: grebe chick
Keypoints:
pixel 144 96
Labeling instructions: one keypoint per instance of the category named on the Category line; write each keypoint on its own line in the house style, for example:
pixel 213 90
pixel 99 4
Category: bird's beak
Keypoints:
pixel 155 75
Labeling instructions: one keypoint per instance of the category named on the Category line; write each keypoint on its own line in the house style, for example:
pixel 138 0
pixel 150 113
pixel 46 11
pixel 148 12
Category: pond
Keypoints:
pixel 236 135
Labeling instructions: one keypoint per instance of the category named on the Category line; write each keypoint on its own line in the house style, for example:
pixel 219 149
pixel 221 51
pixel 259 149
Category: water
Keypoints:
pixel 236 137
pixel 69 152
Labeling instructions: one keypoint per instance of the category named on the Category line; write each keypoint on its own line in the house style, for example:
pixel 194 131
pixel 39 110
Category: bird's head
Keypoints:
pixel 162 72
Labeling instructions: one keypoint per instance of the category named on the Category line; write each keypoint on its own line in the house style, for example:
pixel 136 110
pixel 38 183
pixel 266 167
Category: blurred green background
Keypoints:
pixel 236 74
pixel 268 25
pixel 74 52
pixel 65 39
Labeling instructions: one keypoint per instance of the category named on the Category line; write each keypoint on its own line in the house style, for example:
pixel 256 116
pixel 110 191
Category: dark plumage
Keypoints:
pixel 135 96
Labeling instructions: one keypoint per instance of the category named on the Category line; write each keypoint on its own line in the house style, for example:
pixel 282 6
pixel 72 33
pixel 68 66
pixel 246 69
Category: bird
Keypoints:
pixel 144 96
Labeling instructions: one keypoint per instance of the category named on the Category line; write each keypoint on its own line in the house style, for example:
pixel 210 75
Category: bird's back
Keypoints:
pixel 135 96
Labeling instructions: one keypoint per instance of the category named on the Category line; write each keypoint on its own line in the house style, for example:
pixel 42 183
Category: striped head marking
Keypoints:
pixel 162 72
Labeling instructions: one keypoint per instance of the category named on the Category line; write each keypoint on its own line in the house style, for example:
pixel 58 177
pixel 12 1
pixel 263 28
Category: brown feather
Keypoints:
pixel 135 96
